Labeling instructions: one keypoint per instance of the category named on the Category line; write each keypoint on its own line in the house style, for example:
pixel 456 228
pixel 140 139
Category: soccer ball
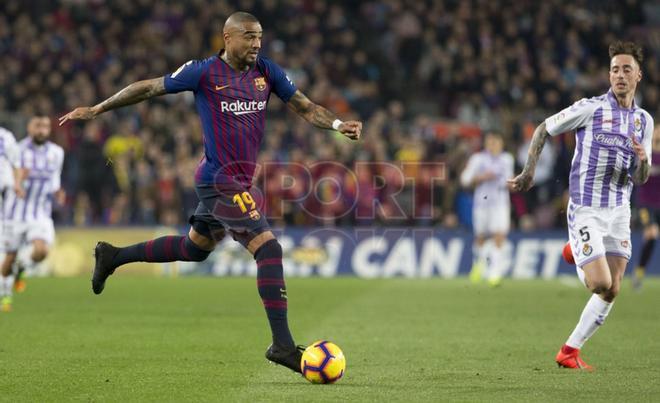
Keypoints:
pixel 323 362
pixel 567 253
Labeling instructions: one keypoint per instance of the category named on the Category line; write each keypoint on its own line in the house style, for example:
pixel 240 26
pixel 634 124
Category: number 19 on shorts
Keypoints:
pixel 243 200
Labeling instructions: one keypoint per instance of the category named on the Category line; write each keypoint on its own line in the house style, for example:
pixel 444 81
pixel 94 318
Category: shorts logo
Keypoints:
pixel 625 244
pixel 587 249
pixel 254 214
pixel 260 83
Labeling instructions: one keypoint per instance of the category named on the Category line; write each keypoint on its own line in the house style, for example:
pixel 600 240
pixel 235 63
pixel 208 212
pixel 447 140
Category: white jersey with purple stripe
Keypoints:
pixel 44 165
pixel 604 160
pixel 8 158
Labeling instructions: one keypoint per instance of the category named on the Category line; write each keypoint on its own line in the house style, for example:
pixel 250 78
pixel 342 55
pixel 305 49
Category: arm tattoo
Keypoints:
pixel 134 93
pixel 313 113
pixel 641 174
pixel 535 148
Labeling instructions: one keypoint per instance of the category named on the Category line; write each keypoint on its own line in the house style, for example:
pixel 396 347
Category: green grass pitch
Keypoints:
pixel 203 339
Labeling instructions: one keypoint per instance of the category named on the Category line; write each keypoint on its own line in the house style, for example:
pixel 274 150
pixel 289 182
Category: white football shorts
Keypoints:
pixel 16 233
pixel 491 219
pixel 598 231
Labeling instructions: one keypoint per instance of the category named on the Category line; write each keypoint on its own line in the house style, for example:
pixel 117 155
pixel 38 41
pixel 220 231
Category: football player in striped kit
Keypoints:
pixel 8 171
pixel 613 151
pixel 232 89
pixel 28 216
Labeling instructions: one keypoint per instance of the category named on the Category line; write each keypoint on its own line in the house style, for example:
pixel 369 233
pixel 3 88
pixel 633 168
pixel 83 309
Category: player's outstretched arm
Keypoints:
pixel 323 118
pixel 132 94
pixel 525 180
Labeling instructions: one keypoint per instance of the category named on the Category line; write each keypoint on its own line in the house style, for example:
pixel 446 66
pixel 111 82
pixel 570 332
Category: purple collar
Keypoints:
pixel 615 104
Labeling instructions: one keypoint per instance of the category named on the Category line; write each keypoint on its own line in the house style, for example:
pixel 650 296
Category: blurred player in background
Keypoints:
pixel 648 200
pixel 231 91
pixel 28 205
pixel 8 172
pixel 487 172
pixel 613 150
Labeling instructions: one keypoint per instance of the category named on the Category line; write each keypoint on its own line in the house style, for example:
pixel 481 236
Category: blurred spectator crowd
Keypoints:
pixel 428 78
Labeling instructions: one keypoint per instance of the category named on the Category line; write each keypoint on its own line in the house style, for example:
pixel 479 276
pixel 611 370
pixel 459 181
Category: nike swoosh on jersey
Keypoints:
pixel 218 87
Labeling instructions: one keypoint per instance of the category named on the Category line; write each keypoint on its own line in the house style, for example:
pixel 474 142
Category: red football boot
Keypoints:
pixel 569 357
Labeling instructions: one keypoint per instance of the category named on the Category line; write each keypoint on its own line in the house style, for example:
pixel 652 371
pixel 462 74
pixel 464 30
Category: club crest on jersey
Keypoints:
pixel 587 249
pixel 254 214
pixel 260 83
pixel 638 124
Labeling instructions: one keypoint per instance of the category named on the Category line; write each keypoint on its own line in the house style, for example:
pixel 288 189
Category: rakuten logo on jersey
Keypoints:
pixel 242 107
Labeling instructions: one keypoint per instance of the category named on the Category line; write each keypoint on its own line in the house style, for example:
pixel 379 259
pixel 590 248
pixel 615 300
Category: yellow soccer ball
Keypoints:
pixel 323 362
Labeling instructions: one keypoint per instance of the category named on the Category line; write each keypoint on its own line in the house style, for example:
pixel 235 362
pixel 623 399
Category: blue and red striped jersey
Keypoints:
pixel 232 108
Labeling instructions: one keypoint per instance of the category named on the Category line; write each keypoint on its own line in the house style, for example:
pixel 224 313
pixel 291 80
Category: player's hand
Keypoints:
pixel 60 197
pixel 485 177
pixel 522 182
pixel 80 113
pixel 351 129
pixel 639 151
pixel 20 192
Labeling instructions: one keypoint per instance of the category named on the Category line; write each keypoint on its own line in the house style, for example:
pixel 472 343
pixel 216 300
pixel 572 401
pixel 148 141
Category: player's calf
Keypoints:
pixel 272 290
pixel 164 249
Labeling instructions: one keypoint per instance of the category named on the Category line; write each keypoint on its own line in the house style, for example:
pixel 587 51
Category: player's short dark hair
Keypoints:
pixel 627 48
pixel 242 16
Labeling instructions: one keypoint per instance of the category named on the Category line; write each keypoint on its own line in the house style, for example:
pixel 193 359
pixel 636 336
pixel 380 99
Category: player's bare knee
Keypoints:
pixel 201 241
pixel 10 258
pixel 612 293
pixel 39 255
pixel 599 286
pixel 499 240
pixel 258 241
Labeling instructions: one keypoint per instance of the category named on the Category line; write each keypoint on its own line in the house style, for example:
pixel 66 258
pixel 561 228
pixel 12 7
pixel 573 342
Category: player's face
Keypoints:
pixel 624 74
pixel 244 43
pixel 39 129
pixel 494 144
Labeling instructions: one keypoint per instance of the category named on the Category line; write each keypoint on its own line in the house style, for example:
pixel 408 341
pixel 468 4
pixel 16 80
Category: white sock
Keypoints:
pixel 7 285
pixel 477 254
pixel 593 316
pixel 498 262
pixel 24 257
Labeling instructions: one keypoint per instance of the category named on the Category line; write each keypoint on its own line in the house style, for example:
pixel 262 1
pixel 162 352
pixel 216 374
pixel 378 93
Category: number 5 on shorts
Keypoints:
pixel 243 199
pixel 585 234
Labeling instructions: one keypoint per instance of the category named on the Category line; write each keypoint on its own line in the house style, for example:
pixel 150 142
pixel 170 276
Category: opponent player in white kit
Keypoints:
pixel 28 218
pixel 488 171
pixel 613 149
pixel 8 171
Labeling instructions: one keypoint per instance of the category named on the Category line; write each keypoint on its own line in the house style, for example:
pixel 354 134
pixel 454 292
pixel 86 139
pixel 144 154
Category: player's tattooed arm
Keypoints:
pixel 525 180
pixel 321 117
pixel 134 93
pixel 641 174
